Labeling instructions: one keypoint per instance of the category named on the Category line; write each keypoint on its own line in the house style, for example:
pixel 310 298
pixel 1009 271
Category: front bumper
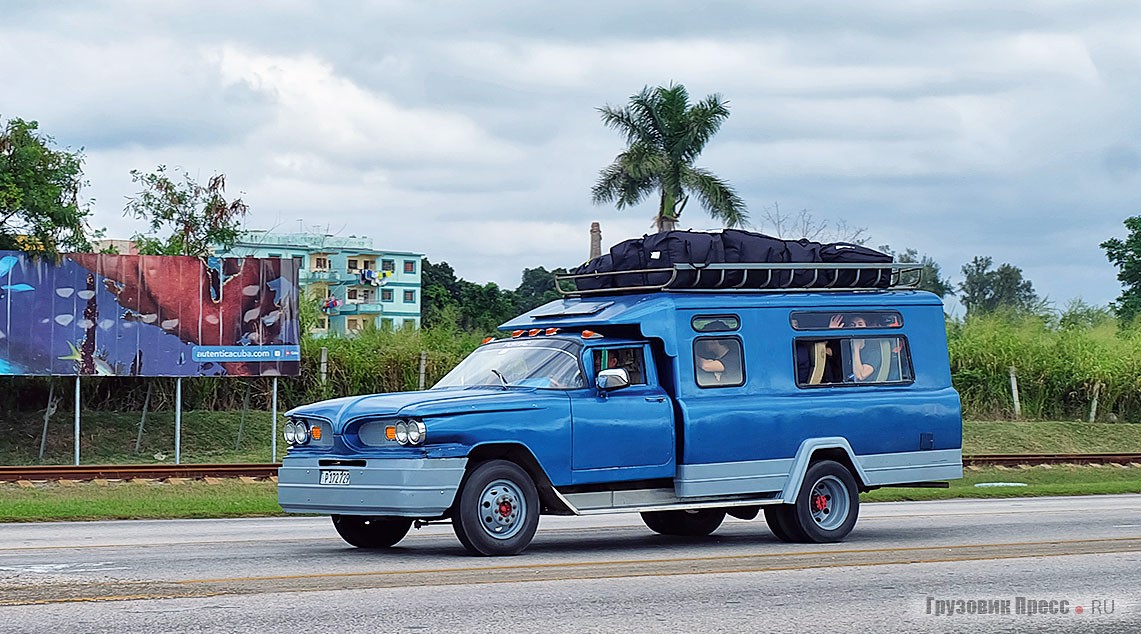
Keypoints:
pixel 401 487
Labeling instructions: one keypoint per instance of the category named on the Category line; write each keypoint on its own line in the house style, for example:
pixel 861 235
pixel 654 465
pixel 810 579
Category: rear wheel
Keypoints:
pixel 497 511
pixel 782 522
pixel 828 503
pixel 691 523
pixel 371 532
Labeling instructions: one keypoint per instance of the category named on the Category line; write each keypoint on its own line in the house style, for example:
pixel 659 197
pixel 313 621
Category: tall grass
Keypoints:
pixel 1057 369
pixel 373 361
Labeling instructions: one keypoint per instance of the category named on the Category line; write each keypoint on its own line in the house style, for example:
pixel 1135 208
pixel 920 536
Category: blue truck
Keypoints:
pixel 683 405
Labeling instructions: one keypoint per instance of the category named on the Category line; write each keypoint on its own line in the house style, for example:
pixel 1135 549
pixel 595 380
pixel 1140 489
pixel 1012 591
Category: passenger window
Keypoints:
pixel 629 359
pixel 846 320
pixel 852 360
pixel 718 362
pixel 716 323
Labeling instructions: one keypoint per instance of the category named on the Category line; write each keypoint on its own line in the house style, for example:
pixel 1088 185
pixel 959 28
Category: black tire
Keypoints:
pixel 692 523
pixel 782 523
pixel 365 531
pixel 497 510
pixel 828 503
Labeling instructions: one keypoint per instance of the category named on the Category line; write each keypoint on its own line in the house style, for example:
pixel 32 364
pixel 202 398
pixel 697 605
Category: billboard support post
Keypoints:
pixel 178 421
pixel 273 434
pixel 77 420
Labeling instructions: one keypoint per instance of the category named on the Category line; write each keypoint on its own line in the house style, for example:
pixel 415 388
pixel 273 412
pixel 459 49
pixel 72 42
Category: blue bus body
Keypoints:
pixel 662 442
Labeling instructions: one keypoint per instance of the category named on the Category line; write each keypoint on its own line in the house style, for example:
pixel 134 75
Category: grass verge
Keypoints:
pixel 1039 480
pixel 235 498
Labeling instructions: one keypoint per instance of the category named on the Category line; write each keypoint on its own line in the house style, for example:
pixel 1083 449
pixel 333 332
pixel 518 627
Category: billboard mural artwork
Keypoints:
pixel 142 315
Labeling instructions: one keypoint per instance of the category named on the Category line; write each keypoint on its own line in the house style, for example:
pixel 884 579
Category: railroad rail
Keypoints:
pixel 200 471
pixel 136 471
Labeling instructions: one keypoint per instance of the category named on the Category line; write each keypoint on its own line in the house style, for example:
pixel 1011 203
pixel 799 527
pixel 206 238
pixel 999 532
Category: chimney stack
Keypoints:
pixel 595 240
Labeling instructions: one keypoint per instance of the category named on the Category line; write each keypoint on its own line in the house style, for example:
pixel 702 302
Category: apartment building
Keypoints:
pixel 356 285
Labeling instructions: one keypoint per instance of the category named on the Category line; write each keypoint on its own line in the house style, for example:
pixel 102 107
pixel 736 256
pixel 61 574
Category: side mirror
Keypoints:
pixel 612 379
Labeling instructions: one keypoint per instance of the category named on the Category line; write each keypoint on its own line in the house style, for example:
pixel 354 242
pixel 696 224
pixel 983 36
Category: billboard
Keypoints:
pixel 147 315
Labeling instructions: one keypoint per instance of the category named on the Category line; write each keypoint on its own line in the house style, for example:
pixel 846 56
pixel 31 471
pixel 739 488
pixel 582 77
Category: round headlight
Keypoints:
pixel 302 433
pixel 415 432
pixel 402 433
pixel 290 433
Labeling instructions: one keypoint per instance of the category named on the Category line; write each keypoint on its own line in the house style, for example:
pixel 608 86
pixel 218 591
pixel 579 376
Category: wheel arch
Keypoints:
pixel 814 450
pixel 522 456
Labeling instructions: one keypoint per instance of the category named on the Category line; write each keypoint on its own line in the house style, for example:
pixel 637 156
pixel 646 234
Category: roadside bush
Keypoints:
pixel 1058 368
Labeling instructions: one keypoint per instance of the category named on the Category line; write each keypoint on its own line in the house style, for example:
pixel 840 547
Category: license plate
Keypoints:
pixel 334 477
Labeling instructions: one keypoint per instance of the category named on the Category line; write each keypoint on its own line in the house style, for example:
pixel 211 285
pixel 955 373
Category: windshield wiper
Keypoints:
pixel 501 378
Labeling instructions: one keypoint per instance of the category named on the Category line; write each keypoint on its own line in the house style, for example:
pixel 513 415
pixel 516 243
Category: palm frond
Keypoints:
pixel 716 196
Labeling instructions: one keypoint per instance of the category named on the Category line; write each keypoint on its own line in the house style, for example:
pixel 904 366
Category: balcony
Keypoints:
pixel 320 276
pixel 369 307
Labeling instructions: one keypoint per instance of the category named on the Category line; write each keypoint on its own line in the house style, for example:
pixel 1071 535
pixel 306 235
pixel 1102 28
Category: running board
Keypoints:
pixel 642 500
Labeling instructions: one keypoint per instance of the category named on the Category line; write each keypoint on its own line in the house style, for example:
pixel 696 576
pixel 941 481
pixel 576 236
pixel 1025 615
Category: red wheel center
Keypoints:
pixel 820 502
pixel 505 508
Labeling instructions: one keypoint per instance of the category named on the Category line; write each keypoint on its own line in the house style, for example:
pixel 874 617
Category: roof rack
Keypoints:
pixel 749 278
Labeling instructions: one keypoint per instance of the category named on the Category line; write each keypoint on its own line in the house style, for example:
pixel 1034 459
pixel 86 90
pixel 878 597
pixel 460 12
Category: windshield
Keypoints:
pixel 518 363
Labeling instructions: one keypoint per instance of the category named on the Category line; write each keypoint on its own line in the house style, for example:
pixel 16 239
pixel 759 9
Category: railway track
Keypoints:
pixel 200 471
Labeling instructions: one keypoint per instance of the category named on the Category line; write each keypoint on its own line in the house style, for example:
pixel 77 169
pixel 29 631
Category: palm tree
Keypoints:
pixel 664 136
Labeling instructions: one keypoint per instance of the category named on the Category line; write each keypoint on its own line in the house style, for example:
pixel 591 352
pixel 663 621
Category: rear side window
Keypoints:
pixel 718 362
pixel 852 361
pixel 846 319
pixel 715 323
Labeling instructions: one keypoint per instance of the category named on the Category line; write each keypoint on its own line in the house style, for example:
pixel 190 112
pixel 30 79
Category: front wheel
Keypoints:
pixel 497 511
pixel 692 523
pixel 371 532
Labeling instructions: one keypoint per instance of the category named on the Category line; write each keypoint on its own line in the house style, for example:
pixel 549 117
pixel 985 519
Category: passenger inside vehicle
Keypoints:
pixel 718 361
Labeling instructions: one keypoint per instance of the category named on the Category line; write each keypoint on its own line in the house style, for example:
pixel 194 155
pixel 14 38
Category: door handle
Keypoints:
pixel 655 399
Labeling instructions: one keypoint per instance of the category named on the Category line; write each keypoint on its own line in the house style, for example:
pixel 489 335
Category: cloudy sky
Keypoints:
pixel 469 131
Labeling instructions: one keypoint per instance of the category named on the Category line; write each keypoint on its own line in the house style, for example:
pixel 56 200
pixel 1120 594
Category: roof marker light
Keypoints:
pixel 534 331
pixel 516 333
pixel 590 334
pixel 487 340
pixel 552 331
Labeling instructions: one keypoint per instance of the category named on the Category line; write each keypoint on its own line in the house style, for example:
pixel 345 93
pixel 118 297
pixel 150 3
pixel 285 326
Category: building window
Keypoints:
pixel 386 294
pixel 388 265
pixel 409 266
pixel 352 294
pixel 275 255
pixel 409 297
pixel 298 262
pixel 386 323
pixel 409 324
pixel 352 324
pixel 322 323
pixel 367 265
pixel 352 265
pixel 320 264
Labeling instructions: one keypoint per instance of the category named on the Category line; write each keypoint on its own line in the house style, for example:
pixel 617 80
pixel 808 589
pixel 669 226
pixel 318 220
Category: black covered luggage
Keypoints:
pixel 747 247
pixel 664 250
pixel 731 246
pixel 846 253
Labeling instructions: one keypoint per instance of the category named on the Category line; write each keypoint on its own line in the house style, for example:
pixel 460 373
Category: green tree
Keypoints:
pixel 197 217
pixel 536 288
pixel 1126 256
pixel 40 210
pixel 931 276
pixel 986 290
pixel 664 136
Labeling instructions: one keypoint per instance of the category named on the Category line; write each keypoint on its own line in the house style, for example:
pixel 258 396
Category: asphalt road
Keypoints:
pixel 1056 564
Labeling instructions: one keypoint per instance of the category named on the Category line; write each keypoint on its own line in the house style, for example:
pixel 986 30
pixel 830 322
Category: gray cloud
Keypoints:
pixel 470 132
